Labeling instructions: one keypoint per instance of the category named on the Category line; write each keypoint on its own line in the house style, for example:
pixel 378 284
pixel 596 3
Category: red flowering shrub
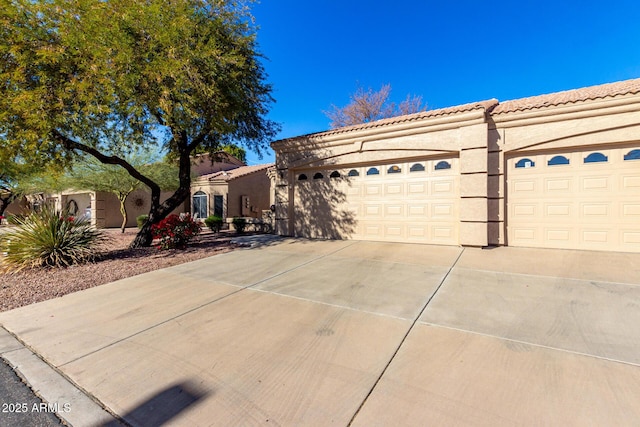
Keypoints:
pixel 175 232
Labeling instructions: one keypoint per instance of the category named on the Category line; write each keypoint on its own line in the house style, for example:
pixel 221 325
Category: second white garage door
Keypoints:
pixel 414 201
pixel 575 200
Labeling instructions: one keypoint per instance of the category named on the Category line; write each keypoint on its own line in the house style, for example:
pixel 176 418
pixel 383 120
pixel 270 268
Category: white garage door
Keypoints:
pixel 415 201
pixel 575 200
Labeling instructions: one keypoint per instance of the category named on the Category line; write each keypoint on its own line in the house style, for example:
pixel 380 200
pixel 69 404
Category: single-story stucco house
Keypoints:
pixel 242 191
pixel 554 171
pixel 222 186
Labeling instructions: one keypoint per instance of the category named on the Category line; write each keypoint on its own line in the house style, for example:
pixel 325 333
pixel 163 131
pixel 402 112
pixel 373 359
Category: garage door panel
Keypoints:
pixel 353 191
pixel 419 210
pixel 418 188
pixel 373 230
pixel 631 211
pixel 630 237
pixel 559 211
pixel 558 235
pixel 416 206
pixel 598 211
pixel 599 183
pixel 442 210
pixel 393 211
pixel 373 190
pixel 393 231
pixel 631 182
pixel 442 186
pixel 560 184
pixel 524 210
pixel 417 232
pixel 578 205
pixel 442 232
pixel 527 186
pixel 396 189
pixel 373 210
pixel 596 236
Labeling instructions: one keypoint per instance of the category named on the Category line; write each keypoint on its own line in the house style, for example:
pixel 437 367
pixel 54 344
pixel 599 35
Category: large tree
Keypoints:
pixel 369 105
pixel 101 77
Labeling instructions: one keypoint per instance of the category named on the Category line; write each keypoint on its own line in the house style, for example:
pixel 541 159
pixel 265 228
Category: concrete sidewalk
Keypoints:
pixel 298 332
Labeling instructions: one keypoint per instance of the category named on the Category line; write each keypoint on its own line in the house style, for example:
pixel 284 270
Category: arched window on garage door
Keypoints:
pixel 442 165
pixel 595 158
pixel 525 163
pixel 394 169
pixel 632 155
pixel 200 204
pixel 417 167
pixel 354 172
pixel 558 160
pixel 373 171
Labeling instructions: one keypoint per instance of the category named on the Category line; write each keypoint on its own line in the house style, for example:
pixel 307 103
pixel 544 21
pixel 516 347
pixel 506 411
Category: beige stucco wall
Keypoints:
pixel 257 187
pixel 106 208
pixel 202 165
pixel 482 142
pixel 17 207
pixel 463 135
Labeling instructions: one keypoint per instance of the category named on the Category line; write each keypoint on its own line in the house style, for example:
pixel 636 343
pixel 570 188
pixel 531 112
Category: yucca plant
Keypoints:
pixel 49 238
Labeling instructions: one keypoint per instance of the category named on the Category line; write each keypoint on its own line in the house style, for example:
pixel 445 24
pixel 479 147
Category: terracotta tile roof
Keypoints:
pixel 591 93
pixel 486 105
pixel 232 174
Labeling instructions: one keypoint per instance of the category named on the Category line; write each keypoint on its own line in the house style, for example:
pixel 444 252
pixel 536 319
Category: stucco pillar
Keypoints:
pixel 282 198
pixel 98 210
pixel 495 189
pixel 474 187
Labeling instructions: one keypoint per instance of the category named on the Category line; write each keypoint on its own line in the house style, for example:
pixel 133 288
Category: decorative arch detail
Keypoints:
pixel 595 158
pixel 525 163
pixel 441 165
pixel 558 160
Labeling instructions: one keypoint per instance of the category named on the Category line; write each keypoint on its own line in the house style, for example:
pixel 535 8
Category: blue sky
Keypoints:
pixel 449 52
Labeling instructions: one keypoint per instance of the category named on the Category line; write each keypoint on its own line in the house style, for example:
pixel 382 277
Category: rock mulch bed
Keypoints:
pixel 117 262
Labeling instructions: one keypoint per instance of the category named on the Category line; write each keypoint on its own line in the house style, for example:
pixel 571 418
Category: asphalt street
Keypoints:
pixel 19 406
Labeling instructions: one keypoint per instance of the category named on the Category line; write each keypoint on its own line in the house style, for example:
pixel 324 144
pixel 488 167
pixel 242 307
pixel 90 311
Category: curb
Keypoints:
pixel 69 403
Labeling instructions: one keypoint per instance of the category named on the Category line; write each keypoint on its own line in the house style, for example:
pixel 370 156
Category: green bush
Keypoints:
pixel 214 223
pixel 141 219
pixel 240 224
pixel 175 232
pixel 49 238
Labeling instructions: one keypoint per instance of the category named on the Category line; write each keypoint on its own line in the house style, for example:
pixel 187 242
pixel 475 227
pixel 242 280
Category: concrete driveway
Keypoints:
pixel 352 333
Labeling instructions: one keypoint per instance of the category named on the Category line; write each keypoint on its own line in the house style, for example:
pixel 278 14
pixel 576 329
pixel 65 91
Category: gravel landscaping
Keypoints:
pixel 117 262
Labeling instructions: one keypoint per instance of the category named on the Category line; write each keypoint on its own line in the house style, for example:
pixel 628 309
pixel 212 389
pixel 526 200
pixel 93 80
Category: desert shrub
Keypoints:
pixel 141 219
pixel 240 224
pixel 49 238
pixel 175 232
pixel 15 219
pixel 214 223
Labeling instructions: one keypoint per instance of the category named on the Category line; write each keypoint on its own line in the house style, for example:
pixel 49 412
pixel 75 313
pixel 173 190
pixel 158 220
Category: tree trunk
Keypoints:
pixel 123 211
pixel 159 211
pixel 5 202
pixel 144 237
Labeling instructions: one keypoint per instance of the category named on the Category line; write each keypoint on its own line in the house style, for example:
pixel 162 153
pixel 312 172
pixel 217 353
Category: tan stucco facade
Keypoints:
pixel 245 191
pixel 483 142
